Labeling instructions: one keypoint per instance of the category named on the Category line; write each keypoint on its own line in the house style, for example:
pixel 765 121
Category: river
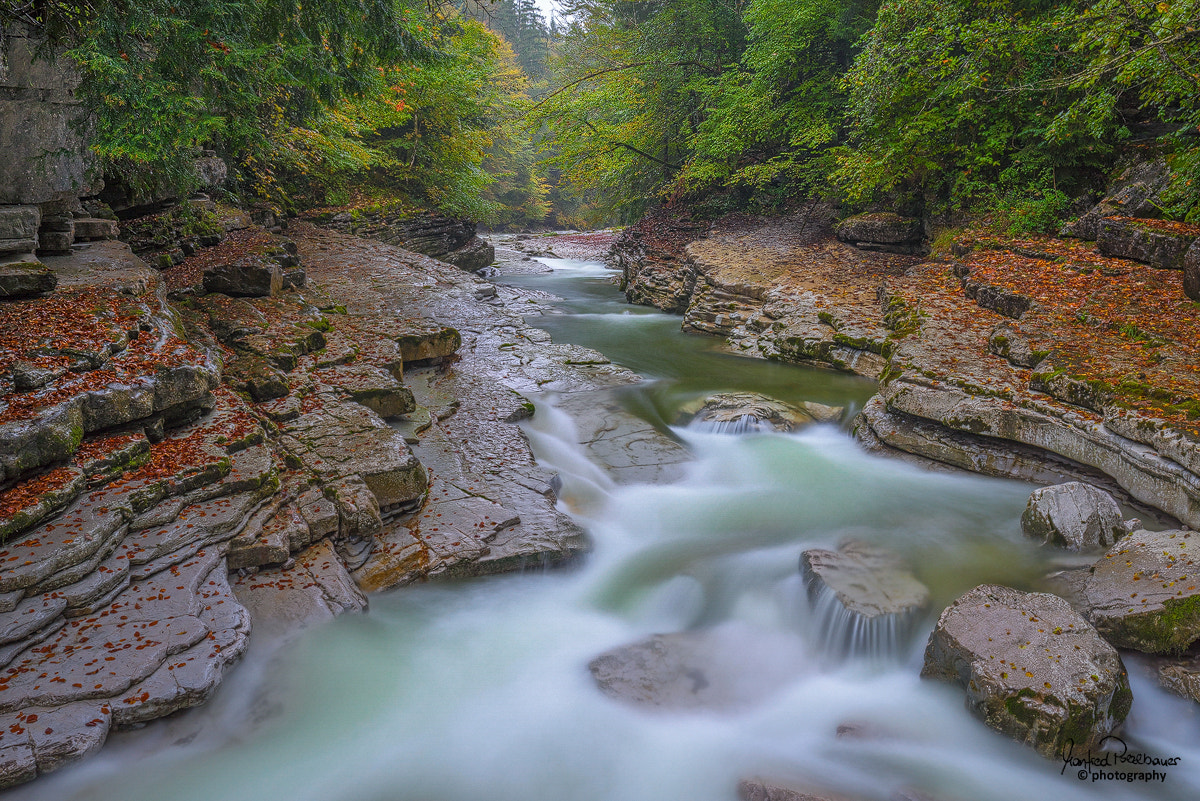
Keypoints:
pixel 480 689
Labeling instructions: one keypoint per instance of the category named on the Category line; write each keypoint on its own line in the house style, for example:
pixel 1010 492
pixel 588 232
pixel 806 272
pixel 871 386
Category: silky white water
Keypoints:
pixel 479 690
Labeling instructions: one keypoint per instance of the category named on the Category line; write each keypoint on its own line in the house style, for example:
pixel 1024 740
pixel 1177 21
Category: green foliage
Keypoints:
pixel 1005 107
pixel 168 76
pixel 1146 54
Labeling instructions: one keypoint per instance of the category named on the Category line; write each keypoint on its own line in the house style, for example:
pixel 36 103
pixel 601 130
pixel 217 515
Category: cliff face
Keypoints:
pixel 1035 359
pixel 42 131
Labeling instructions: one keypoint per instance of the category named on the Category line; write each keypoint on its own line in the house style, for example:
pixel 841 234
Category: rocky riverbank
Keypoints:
pixel 244 444
pixel 1043 359
pixel 1038 358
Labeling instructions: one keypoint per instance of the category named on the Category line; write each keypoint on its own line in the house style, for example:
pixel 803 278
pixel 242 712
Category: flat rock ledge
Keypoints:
pixel 1143 594
pixel 1032 668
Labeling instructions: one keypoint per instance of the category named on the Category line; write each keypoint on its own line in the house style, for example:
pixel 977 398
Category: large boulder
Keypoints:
pixel 250 276
pixel 742 412
pixel 1074 515
pixel 1155 242
pixel 473 256
pixel 881 231
pixel 864 597
pixel 1191 271
pixel 1032 668
pixel 1144 594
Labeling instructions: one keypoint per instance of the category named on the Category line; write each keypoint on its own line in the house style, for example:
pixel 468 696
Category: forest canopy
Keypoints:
pixel 488 110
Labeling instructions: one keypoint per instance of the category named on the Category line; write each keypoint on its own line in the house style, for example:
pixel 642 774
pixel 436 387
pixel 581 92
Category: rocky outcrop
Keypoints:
pixel 25 278
pixel 448 239
pixel 1191 271
pixel 655 270
pixel 1149 463
pixel 259 274
pixel 883 231
pixel 43 128
pixel 19 228
pixel 1137 192
pixel 1074 515
pixel 1032 668
pixel 1143 594
pixel 987 364
pixel 134 481
pixel 1156 242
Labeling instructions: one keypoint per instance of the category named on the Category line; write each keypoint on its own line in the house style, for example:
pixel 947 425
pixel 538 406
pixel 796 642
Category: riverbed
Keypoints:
pixel 481 690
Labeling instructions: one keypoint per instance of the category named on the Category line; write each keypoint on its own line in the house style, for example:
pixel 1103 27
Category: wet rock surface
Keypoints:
pixel 1143 593
pixel 151 448
pixel 1074 515
pixel 1032 668
pixel 867 580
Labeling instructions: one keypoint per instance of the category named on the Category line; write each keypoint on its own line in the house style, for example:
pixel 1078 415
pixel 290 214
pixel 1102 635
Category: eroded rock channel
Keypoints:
pixel 759 598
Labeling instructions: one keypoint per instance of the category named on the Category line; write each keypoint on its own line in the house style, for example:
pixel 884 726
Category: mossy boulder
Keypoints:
pixel 25 278
pixel 1144 594
pixel 1032 668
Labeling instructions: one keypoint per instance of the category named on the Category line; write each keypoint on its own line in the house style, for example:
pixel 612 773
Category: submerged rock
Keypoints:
pixel 864 598
pixel 1032 668
pixel 1074 515
pixel 758 789
pixel 743 412
pixel 724 668
pixel 1144 593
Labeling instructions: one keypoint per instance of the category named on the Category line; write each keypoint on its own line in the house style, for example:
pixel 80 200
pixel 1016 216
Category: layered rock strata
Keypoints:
pixel 151 448
pixel 449 239
pixel 1058 394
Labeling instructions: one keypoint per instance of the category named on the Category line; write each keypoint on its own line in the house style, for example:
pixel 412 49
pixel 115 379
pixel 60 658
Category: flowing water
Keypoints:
pixel 480 689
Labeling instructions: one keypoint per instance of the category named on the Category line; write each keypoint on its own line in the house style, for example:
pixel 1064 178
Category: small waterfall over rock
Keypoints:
pixel 743 413
pixel 745 424
pixel 863 601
